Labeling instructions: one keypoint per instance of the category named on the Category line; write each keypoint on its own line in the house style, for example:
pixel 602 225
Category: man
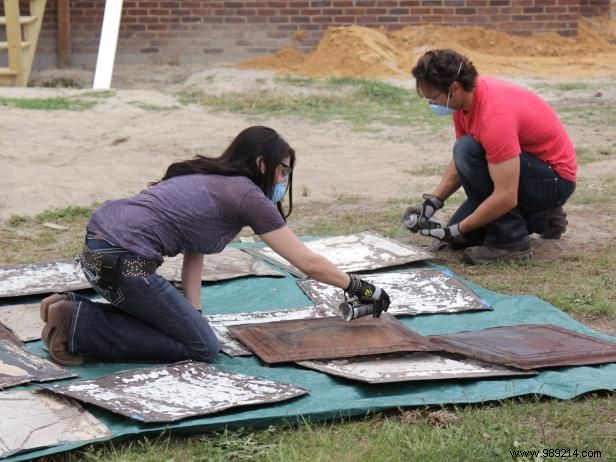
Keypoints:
pixel 512 156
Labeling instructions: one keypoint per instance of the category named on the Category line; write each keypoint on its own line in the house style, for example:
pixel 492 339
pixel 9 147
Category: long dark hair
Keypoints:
pixel 440 68
pixel 240 159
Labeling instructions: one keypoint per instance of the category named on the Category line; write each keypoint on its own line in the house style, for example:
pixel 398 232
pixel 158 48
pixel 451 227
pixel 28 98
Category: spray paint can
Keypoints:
pixel 411 220
pixel 352 309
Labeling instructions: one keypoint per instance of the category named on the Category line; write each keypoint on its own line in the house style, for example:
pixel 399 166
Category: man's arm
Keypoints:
pixel 191 278
pixel 506 177
pixel 450 182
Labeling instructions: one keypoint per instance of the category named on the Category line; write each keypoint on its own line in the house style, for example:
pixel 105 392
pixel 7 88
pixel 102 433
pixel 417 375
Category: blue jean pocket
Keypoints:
pixel 113 296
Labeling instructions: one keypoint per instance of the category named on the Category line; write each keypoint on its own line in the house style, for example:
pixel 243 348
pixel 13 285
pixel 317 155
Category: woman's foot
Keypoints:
pixel 58 316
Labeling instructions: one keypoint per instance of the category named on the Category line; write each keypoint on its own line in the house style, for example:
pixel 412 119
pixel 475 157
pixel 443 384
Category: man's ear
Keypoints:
pixel 261 164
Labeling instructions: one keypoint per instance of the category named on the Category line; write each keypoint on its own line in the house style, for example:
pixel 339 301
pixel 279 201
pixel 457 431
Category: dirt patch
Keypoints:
pixel 357 51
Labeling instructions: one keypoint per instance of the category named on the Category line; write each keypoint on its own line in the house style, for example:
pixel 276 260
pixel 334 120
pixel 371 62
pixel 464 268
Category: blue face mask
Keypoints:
pixel 280 189
pixel 442 110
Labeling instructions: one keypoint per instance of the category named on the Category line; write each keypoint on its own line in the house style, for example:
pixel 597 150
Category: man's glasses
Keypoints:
pixel 285 170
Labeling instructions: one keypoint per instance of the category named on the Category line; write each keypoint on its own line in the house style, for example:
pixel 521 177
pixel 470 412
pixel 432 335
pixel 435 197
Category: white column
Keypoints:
pixel 108 44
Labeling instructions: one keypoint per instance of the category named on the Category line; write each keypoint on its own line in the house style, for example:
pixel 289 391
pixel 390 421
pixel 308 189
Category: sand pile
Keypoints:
pixel 357 51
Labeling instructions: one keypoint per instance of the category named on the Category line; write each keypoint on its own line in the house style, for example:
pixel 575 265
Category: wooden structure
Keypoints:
pixel 22 33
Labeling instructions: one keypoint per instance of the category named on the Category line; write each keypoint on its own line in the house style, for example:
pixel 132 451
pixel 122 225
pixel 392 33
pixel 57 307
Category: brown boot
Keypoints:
pixel 483 254
pixel 45 303
pixel 59 316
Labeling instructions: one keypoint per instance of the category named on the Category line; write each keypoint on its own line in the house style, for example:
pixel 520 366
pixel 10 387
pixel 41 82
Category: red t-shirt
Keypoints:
pixel 507 119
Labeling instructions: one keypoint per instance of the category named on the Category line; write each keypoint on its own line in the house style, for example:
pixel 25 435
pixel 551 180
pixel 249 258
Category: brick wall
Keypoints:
pixel 204 31
pixel 594 7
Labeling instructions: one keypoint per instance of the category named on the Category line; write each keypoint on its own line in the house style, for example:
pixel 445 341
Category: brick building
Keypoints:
pixel 206 31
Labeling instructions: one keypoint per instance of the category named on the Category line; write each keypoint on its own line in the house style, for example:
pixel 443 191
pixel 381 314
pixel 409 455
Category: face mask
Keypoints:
pixel 442 110
pixel 278 193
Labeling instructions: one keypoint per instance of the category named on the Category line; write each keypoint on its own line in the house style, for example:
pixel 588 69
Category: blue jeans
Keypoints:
pixel 540 190
pixel 147 320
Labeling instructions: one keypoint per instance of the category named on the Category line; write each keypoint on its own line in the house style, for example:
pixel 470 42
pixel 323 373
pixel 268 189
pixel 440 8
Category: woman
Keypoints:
pixel 198 207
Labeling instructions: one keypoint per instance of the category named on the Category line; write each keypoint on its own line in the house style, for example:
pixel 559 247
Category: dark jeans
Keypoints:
pixel 540 190
pixel 147 320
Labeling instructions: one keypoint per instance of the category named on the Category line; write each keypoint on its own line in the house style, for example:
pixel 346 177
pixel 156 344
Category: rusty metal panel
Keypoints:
pixel 41 278
pixel 529 346
pixel 411 292
pixel 328 338
pixel 230 263
pixel 17 366
pixel 230 346
pixel 409 367
pixel 7 335
pixel 354 252
pixel 36 419
pixel 23 320
pixel 176 391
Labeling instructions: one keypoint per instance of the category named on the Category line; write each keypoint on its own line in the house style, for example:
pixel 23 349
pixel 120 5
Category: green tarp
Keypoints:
pixel 332 397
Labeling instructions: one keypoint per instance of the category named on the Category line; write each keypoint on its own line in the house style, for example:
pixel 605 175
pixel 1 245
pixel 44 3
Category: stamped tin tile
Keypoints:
pixel 409 367
pixel 354 252
pixel 37 419
pixel 6 334
pixel 17 366
pixel 230 346
pixel 411 292
pixel 328 338
pixel 229 264
pixel 42 278
pixel 529 346
pixel 176 391
pixel 23 320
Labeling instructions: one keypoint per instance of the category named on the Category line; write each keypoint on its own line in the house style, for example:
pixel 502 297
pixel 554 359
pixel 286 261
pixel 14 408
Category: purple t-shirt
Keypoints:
pixel 197 213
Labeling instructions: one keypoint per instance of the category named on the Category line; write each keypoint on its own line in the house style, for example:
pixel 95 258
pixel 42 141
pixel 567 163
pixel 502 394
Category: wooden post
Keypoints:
pixel 64 34
pixel 13 35
pixel 613 10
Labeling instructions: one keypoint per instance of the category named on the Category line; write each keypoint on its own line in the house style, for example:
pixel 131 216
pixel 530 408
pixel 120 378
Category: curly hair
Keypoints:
pixel 438 69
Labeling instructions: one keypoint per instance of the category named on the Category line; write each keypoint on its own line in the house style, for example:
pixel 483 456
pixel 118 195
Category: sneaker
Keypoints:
pixel 555 223
pixel 483 254
pixel 55 334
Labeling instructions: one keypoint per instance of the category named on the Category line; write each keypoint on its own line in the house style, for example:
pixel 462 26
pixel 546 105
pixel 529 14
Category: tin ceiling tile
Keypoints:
pixel 354 252
pixel 529 346
pixel 230 263
pixel 32 279
pixel 18 366
pixel 6 334
pixel 32 420
pixel 23 320
pixel 328 338
pixel 409 367
pixel 230 346
pixel 176 391
pixel 411 292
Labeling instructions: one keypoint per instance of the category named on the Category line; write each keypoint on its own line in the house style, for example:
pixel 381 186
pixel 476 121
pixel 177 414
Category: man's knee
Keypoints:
pixel 467 151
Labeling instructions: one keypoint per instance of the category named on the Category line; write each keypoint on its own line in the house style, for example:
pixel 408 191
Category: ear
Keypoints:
pixel 261 164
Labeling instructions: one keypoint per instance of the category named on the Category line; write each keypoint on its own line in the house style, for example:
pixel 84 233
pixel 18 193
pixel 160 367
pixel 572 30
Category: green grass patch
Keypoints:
pixel 56 103
pixel 589 154
pixel 594 115
pixel 151 107
pixel 359 102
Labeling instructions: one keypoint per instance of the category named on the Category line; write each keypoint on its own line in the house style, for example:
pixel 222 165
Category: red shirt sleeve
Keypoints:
pixel 499 138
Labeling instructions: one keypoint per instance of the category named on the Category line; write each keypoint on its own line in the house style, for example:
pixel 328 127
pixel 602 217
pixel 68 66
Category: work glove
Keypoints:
pixel 450 234
pixel 417 216
pixel 368 293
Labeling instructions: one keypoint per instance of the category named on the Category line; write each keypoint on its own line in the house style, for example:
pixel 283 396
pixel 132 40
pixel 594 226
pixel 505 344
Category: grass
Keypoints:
pixel 360 102
pixel 57 103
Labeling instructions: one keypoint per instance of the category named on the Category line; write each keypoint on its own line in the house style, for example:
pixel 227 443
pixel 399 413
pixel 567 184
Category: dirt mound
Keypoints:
pixel 356 51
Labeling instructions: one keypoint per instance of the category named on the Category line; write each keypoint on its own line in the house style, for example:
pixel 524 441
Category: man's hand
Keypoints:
pixel 417 216
pixel 368 293
pixel 448 234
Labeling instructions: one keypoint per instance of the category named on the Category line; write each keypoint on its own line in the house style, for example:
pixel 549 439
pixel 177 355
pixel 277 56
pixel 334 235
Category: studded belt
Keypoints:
pixel 125 267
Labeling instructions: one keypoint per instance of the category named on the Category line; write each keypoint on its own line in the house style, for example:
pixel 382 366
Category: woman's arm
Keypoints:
pixel 191 278
pixel 286 244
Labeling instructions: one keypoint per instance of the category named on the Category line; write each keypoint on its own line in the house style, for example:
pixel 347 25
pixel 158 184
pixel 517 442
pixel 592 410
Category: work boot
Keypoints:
pixel 483 254
pixel 45 304
pixel 555 223
pixel 59 316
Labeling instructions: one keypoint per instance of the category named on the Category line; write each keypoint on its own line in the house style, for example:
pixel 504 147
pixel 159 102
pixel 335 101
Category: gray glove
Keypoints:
pixel 448 234
pixel 417 216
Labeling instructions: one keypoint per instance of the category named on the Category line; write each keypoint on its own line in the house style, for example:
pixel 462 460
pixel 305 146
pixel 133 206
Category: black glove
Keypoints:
pixel 368 293
pixel 417 216
pixel 449 234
